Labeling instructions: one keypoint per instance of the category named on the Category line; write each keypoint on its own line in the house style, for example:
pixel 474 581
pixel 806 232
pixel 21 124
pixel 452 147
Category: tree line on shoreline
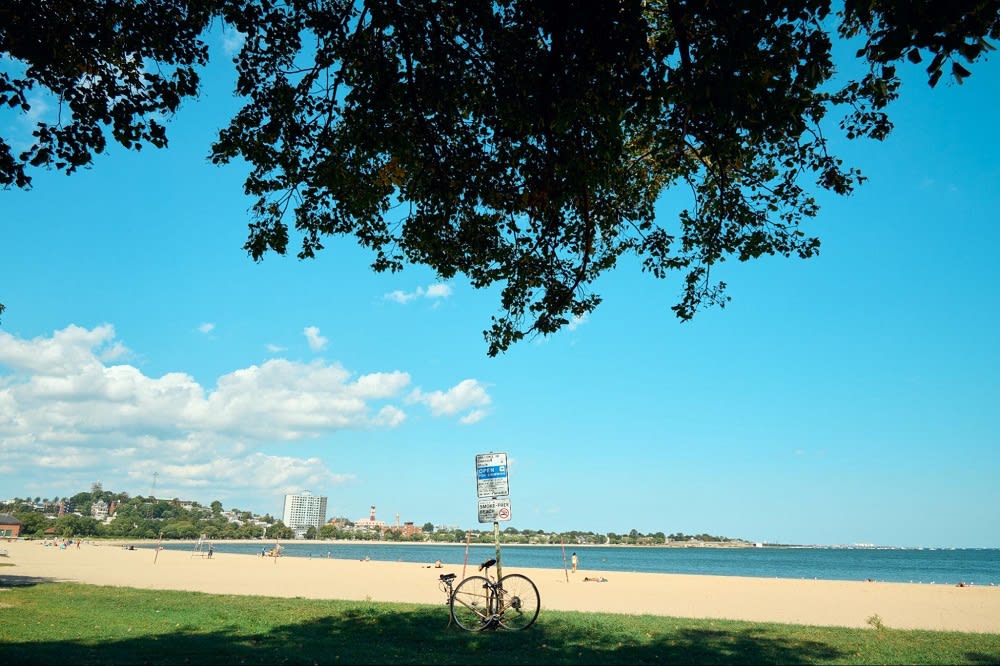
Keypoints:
pixel 152 518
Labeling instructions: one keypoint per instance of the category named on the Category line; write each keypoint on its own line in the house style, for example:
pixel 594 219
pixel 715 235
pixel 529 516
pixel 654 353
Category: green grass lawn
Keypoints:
pixel 66 623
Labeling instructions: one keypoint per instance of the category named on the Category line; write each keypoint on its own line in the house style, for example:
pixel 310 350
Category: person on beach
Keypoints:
pixel 573 562
pixel 211 549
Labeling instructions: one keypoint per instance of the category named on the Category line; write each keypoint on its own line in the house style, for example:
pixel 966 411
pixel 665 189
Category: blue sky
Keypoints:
pixel 851 398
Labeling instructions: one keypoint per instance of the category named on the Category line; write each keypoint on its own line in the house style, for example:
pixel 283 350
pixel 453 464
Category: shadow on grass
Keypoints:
pixel 23 581
pixel 361 635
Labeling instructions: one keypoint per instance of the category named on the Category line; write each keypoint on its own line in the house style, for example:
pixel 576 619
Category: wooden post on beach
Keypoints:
pixel 496 539
pixel 564 559
pixel 468 537
pixel 159 547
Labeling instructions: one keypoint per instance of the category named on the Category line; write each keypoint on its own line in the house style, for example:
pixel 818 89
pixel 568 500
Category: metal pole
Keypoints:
pixel 496 539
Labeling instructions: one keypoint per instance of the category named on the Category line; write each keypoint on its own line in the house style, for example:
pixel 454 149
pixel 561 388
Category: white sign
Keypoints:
pixel 494 510
pixel 491 475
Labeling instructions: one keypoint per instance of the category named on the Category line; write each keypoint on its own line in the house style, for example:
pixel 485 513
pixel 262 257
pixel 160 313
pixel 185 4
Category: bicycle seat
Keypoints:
pixel 447 577
pixel 487 564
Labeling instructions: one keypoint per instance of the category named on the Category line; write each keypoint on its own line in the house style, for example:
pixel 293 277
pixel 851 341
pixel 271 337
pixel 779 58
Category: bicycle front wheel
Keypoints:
pixel 518 602
pixel 470 604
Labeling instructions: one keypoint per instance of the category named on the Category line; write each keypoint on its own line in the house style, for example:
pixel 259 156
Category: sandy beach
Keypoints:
pixel 812 602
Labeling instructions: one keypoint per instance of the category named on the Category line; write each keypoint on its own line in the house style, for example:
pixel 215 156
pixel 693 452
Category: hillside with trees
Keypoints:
pixel 173 519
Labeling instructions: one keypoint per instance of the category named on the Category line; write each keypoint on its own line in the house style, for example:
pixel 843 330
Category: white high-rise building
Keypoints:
pixel 303 510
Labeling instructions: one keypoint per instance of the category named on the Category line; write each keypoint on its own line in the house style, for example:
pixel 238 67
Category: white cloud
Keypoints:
pixel 401 297
pixel 316 341
pixel 467 394
pixel 390 416
pixel 475 416
pixel 576 322
pixel 39 108
pixel 66 351
pixel 232 40
pixel 115 352
pixel 435 291
pixel 26 122
pixel 275 349
pixel 206 327
pixel 439 290
pixel 65 410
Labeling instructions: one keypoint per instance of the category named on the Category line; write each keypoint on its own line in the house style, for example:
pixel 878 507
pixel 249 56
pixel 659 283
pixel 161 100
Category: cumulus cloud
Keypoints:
pixel 468 394
pixel 439 290
pixel 435 292
pixel 65 410
pixel 206 328
pixel 316 341
pixel 274 349
pixel 474 416
pixel 401 297
pixel 232 40
pixel 68 350
pixel 39 110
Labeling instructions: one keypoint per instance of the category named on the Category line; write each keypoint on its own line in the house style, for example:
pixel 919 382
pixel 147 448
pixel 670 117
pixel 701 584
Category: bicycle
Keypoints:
pixel 481 603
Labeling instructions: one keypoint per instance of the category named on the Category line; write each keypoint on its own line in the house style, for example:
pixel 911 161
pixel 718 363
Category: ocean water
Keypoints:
pixel 940 566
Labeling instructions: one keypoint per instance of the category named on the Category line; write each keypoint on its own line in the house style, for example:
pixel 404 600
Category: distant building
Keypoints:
pixel 173 501
pixel 10 526
pixel 370 523
pixel 99 510
pixel 304 510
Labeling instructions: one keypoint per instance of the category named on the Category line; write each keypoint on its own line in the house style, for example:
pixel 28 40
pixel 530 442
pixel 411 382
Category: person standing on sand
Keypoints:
pixel 573 562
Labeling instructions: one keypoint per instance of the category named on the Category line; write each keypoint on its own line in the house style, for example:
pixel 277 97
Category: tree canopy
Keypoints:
pixel 521 143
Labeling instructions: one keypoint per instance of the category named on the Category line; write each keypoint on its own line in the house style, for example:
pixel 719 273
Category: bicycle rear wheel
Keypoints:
pixel 518 603
pixel 470 604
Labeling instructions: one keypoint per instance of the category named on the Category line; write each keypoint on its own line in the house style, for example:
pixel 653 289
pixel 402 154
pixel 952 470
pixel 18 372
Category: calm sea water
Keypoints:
pixel 942 566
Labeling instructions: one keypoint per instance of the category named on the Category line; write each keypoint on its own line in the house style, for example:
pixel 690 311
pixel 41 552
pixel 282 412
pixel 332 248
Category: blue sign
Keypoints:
pixel 491 475
pixel 497 472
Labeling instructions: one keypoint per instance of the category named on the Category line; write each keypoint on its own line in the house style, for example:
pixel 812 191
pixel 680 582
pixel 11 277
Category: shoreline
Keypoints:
pixel 384 542
pixel 788 601
pixel 384 551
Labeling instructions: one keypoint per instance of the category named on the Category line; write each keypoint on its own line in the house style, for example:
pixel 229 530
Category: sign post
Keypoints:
pixel 494 494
